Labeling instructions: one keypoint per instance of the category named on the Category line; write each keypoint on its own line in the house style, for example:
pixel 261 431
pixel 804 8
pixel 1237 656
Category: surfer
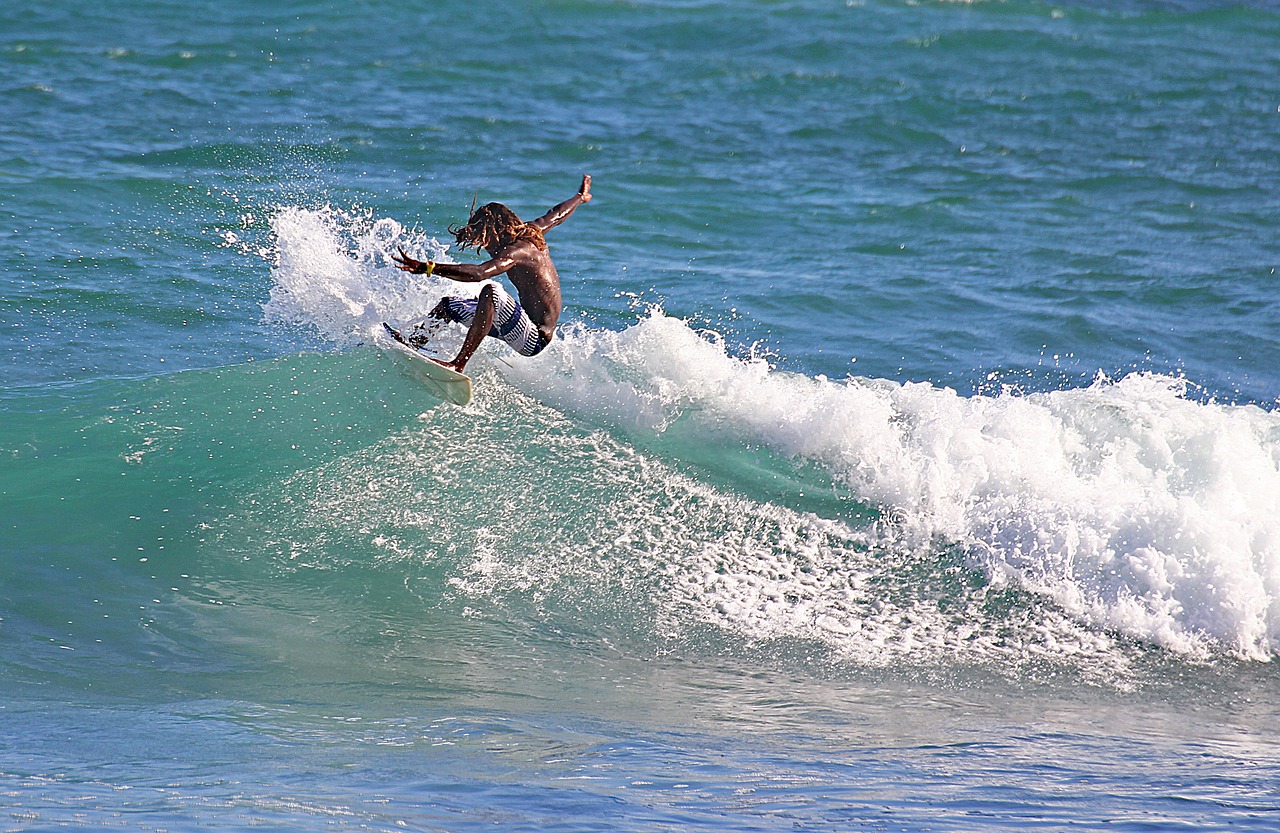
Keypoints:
pixel 516 249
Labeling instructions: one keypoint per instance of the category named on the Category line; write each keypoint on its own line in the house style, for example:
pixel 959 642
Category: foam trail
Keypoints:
pixel 1130 505
pixel 629 543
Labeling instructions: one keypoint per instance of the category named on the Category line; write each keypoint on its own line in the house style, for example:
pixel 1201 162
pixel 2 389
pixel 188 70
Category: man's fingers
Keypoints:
pixel 402 260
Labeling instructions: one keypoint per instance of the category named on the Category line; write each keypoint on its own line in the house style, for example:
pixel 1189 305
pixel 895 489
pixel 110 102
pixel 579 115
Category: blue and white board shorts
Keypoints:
pixel 510 322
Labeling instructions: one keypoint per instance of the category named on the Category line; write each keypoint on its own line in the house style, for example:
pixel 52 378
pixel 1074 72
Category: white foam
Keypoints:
pixel 1135 509
pixel 333 273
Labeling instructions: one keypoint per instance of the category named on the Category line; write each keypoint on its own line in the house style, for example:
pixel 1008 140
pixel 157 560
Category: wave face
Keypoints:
pixel 886 522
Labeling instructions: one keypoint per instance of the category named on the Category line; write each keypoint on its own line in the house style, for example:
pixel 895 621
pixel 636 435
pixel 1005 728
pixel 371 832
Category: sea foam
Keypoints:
pixel 1129 504
pixel 1133 508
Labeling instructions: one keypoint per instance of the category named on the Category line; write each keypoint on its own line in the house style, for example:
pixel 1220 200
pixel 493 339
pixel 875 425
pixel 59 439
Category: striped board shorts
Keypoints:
pixel 510 322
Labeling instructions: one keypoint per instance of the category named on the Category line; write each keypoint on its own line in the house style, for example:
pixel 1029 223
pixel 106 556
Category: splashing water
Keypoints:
pixel 333 273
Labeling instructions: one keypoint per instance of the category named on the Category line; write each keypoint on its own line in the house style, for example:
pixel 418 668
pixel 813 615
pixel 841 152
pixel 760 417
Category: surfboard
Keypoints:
pixel 449 385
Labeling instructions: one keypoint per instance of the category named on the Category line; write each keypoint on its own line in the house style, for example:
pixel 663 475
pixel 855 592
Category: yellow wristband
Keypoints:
pixel 431 267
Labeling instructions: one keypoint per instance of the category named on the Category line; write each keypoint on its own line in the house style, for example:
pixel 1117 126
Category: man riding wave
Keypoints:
pixel 516 249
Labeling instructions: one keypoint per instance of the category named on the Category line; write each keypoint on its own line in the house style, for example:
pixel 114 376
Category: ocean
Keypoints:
pixel 908 458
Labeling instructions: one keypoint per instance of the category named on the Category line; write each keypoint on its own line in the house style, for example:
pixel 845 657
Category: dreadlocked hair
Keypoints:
pixel 494 225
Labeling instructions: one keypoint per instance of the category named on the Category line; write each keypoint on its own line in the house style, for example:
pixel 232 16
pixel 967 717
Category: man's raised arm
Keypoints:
pixel 561 212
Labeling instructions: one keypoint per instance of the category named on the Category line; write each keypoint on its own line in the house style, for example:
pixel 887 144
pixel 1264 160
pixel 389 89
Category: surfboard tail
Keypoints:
pixel 444 382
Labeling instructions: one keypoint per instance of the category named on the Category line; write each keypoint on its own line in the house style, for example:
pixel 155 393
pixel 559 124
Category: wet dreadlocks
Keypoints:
pixel 495 225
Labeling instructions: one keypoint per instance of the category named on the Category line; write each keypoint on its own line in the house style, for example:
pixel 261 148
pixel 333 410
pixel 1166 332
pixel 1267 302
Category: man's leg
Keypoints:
pixel 480 326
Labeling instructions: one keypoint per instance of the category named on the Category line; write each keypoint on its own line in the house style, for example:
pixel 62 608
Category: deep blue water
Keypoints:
pixel 908 459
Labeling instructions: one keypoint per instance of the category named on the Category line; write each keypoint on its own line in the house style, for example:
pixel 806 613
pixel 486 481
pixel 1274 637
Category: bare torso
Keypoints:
pixel 536 281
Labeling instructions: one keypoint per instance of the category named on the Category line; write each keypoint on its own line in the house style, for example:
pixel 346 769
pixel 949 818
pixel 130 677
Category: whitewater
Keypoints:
pixel 1140 510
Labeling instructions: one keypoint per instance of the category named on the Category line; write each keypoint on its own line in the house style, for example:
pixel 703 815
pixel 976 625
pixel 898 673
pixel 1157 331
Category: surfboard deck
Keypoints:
pixel 449 385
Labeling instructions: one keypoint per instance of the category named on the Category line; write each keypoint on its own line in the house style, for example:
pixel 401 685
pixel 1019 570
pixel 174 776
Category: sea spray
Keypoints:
pixel 509 509
pixel 333 273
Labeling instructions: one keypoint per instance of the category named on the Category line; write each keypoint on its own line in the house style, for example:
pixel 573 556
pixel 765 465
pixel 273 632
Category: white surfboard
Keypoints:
pixel 449 385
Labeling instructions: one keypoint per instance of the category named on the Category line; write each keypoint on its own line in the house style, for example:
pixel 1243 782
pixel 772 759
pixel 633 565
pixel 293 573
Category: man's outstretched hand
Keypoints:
pixel 584 193
pixel 408 264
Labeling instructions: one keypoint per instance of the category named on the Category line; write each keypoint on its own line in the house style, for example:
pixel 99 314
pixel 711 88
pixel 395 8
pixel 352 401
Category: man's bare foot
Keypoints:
pixel 420 335
pixel 454 366
pixel 395 333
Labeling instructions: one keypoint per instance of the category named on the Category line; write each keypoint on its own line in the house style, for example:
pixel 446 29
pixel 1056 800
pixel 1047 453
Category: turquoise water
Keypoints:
pixel 909 459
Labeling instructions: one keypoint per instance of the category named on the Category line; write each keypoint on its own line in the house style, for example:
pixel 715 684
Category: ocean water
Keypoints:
pixel 909 458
